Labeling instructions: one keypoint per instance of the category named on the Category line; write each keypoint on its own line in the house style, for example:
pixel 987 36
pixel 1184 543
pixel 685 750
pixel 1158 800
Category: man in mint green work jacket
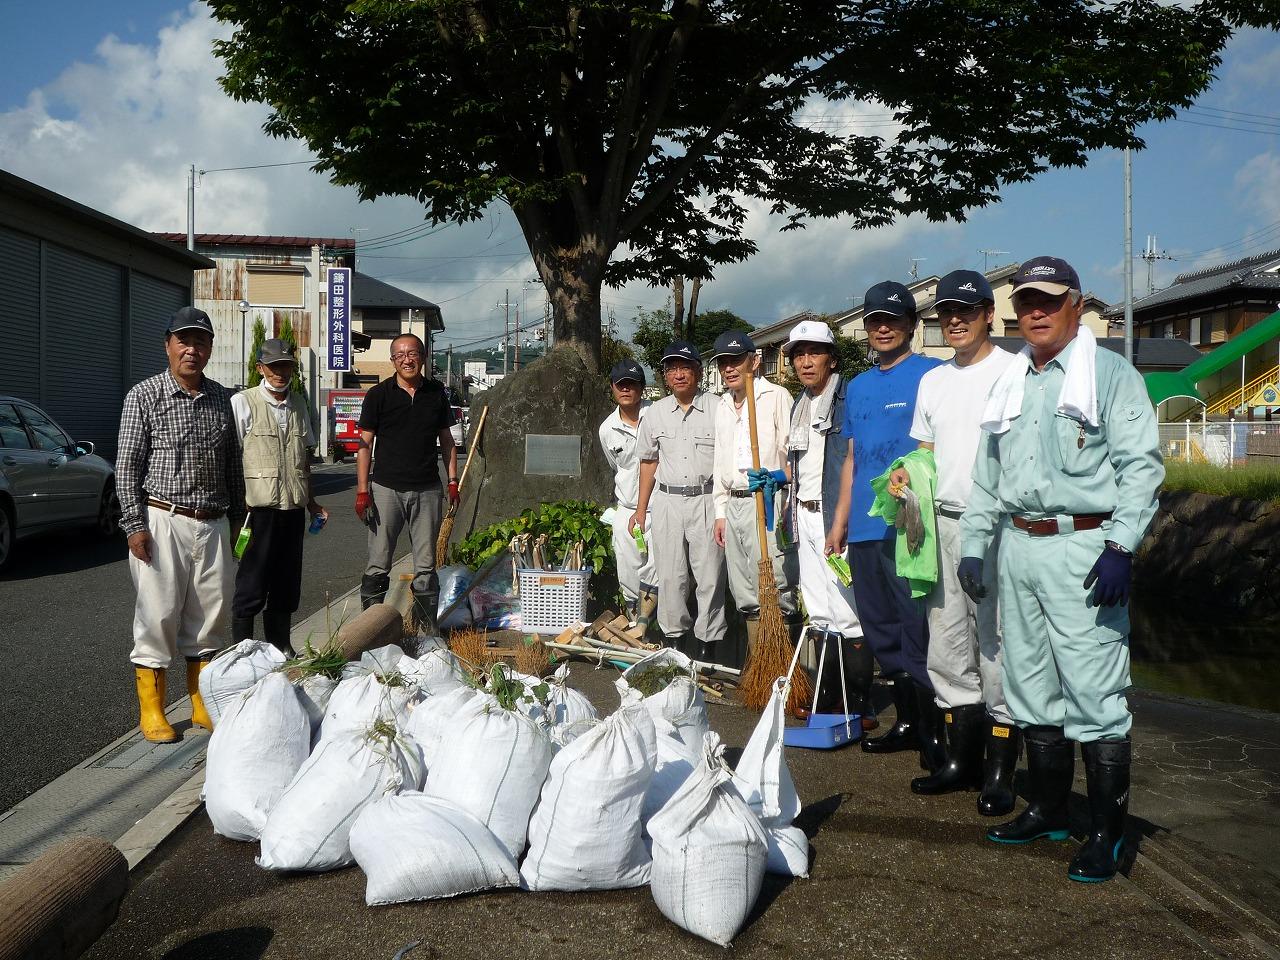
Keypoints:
pixel 1068 471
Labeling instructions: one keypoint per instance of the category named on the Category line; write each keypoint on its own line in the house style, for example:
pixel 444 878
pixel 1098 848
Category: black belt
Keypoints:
pixel 813 506
pixel 686 491
pixel 742 493
pixel 1048 526
pixel 192 512
pixel 948 512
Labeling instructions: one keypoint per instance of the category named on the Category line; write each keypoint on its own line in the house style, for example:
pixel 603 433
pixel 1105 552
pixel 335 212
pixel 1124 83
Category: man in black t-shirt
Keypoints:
pixel 410 417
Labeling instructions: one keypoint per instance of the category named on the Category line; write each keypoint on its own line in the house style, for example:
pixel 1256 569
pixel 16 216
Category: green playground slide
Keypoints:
pixel 1165 385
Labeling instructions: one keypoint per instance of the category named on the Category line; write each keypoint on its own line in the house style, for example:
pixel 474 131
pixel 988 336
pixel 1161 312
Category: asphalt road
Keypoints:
pixel 66 616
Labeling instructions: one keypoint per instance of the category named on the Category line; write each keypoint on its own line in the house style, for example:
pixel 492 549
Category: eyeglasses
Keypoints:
pixel 406 355
pixel 948 311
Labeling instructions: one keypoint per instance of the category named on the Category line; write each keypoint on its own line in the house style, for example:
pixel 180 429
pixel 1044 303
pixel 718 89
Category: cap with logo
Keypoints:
pixel 276 351
pixel 964 286
pixel 627 370
pixel 190 318
pixel 1049 274
pixel 808 331
pixel 891 297
pixel 681 350
pixel 732 343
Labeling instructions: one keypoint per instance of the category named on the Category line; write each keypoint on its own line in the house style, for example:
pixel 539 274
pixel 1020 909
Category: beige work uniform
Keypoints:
pixel 683 515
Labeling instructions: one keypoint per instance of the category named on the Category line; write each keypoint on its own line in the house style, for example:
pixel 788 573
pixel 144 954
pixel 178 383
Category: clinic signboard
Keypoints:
pixel 338 320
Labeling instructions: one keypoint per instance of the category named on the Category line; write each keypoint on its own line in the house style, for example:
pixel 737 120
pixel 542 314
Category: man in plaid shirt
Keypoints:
pixel 179 477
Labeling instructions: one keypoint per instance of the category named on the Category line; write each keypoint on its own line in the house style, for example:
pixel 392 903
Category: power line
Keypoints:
pixel 257 166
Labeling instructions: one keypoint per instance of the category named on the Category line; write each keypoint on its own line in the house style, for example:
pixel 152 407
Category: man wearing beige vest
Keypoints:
pixel 275 432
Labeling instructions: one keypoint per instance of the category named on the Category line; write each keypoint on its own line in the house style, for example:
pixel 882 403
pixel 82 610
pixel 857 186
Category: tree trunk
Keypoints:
pixel 573 278
pixel 693 307
pixel 677 306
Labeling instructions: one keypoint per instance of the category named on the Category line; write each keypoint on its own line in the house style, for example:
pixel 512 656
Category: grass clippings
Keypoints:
pixel 329 662
pixel 656 678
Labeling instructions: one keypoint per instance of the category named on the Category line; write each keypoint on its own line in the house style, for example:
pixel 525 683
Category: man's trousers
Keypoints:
pixel 184 594
pixel 683 531
pixel 418 512
pixel 893 623
pixel 742 557
pixel 270 571
pixel 636 571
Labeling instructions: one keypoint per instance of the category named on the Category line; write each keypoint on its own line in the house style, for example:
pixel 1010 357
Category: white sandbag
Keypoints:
pixel 309 828
pixel 415 847
pixel 372 689
pixel 709 852
pixel 427 722
pixel 256 749
pixel 586 832
pixel 492 762
pixel 680 715
pixel 314 691
pixel 234 671
pixel 764 781
pixel 435 670
pixel 536 691
pixel 454 580
pixel 566 705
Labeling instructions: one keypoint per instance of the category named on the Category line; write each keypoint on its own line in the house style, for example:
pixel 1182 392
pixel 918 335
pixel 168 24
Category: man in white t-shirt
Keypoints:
pixel 964 637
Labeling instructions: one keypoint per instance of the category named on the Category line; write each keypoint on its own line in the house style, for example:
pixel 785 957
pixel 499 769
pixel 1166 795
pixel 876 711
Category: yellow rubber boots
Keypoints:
pixel 150 684
pixel 199 715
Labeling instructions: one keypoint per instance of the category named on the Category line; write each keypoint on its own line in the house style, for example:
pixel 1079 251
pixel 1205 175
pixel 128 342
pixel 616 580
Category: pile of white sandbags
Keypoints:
pixel 234 671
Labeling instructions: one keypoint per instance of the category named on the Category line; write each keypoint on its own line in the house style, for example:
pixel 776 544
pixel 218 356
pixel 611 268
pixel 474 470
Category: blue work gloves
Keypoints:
pixel 970 573
pixel 770 481
pixel 1111 573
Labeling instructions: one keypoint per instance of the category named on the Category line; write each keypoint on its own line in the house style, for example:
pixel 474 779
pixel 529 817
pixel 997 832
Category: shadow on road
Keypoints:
pixel 62 552
pixel 246 943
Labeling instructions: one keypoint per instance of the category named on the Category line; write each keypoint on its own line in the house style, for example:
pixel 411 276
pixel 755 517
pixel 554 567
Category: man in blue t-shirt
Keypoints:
pixel 879 407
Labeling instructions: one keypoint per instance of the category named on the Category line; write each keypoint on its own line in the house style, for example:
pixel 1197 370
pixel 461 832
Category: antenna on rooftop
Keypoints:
pixel 915 261
pixel 1151 256
pixel 987 255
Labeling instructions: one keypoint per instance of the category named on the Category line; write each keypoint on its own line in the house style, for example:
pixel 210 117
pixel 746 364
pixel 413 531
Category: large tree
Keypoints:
pixel 628 137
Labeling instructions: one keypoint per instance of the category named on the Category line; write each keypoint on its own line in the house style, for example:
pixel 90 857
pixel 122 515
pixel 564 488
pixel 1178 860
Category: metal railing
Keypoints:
pixel 1236 397
pixel 1221 443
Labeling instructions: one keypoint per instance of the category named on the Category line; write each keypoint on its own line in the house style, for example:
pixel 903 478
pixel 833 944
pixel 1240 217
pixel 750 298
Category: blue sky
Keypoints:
pixel 108 102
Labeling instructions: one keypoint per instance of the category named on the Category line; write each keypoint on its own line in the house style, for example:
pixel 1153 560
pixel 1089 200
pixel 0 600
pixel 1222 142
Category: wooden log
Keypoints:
pixel 55 907
pixel 377 626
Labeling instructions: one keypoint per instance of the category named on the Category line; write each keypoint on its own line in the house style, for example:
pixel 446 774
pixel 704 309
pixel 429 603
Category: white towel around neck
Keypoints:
pixel 1079 396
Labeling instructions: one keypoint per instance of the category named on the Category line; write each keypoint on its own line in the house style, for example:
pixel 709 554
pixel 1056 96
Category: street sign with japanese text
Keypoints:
pixel 338 320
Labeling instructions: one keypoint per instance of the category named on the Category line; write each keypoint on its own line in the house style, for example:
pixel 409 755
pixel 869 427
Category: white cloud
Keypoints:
pixel 1258 182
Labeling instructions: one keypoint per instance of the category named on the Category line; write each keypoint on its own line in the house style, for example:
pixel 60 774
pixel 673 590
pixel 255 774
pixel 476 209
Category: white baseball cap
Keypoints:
pixel 808 331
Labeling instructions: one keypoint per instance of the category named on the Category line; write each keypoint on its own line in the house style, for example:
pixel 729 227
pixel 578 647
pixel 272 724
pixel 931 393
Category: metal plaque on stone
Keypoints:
pixel 553 455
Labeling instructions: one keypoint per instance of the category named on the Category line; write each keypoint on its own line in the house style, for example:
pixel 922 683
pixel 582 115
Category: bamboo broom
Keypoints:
pixel 446 528
pixel 774 650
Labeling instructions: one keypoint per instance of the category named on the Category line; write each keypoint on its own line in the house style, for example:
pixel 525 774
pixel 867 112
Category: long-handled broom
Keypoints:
pixel 446 527
pixel 773 650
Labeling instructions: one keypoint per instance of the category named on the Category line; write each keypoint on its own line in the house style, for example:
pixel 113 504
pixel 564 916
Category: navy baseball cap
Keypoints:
pixel 190 318
pixel 1049 274
pixel 732 343
pixel 627 370
pixel 681 350
pixel 964 286
pixel 891 297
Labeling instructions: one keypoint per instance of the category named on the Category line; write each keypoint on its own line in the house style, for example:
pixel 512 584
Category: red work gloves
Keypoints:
pixel 364 503
pixel 453 492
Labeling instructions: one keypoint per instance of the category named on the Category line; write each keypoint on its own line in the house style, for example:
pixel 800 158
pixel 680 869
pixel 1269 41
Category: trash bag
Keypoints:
pixel 454 580
pixel 566 705
pixel 492 761
pixel 309 828
pixel 412 846
pixel 427 722
pixel 314 692
pixel 374 688
pixel 680 715
pixel 586 832
pixel 764 781
pixel 234 671
pixel 435 670
pixel 709 852
pixel 257 748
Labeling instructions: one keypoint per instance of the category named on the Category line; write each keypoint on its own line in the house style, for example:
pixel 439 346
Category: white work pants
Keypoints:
pixel 830 606
pixel 964 637
pixel 184 594
pixel 636 572
pixel 683 535
pixel 742 556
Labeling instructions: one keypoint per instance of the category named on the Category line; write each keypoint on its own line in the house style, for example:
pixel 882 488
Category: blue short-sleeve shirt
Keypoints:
pixel 879 407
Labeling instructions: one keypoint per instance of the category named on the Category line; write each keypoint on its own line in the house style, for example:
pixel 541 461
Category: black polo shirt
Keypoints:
pixel 406 430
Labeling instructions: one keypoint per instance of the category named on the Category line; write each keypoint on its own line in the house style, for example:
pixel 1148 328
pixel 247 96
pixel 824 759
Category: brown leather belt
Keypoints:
pixel 182 511
pixel 1048 526
pixel 813 506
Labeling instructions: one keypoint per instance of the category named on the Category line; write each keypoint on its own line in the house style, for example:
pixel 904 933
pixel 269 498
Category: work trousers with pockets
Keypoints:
pixel 964 637
pixel 636 571
pixel 683 531
pixel 829 604
pixel 742 557
pixel 417 511
pixel 184 594
pixel 1066 663
pixel 893 623
pixel 270 572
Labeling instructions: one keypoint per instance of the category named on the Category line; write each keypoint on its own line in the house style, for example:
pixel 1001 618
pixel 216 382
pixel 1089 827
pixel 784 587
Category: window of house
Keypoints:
pixel 276 285
pixel 380 320
pixel 1195 330
pixel 933 335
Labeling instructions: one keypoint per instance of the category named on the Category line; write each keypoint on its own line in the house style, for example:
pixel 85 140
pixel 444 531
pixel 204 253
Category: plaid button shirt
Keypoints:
pixel 178 448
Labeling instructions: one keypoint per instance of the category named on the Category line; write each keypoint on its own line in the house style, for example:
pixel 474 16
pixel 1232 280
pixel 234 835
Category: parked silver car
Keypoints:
pixel 47 480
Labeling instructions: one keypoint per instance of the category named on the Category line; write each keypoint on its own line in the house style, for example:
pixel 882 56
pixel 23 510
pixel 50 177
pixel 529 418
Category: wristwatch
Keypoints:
pixel 1123 551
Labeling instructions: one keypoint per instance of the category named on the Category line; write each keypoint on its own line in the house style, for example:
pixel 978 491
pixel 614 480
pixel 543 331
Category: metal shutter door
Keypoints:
pixel 151 303
pixel 84 371
pixel 20 316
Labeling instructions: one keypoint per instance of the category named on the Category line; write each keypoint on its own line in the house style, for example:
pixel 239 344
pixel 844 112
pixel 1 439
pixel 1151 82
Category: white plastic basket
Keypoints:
pixel 551 600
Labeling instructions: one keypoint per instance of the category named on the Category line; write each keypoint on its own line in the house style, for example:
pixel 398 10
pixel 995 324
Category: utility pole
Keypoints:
pixel 1128 254
pixel 517 338
pixel 1151 257
pixel 986 255
pixel 448 369
pixel 191 207
pixel 506 337
pixel 915 263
